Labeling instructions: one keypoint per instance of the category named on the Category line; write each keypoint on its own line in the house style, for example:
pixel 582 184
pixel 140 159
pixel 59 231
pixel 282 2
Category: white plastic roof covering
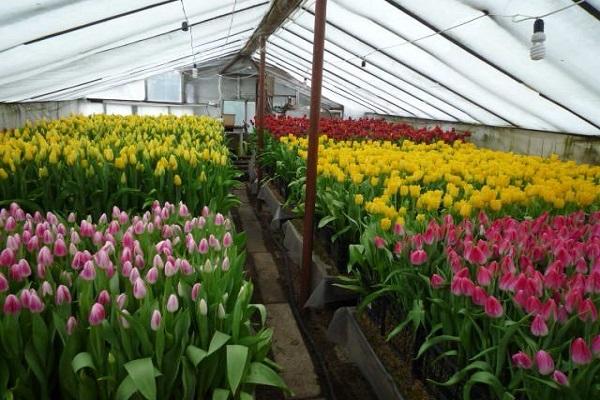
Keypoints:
pixel 478 73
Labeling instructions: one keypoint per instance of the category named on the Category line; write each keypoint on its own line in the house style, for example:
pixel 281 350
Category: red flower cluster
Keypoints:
pixel 363 128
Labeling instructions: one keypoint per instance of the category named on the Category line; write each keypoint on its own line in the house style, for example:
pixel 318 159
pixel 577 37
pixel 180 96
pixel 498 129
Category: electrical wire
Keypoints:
pixel 190 31
pixel 231 20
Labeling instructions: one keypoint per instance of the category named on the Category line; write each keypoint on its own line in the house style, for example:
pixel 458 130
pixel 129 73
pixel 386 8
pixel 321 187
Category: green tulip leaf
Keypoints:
pixel 82 360
pixel 218 340
pixel 237 356
pixel 195 354
pixel 220 394
pixel 141 372
pixel 260 374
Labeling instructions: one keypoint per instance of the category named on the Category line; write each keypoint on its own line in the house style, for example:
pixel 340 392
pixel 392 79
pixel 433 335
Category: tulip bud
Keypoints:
pixel 12 305
pixel 155 320
pixel 152 275
pixel 436 281
pixel 123 319
pixel 379 242
pixel 205 211
pixel 201 222
pixel 203 246
pixel 203 307
pixel 596 346
pixel 3 283
pixel 219 219
pixel 522 360
pixel 88 273
pixel 183 210
pixel 72 217
pixel 103 297
pixel 170 269
pixel 580 352
pixel 544 362
pixel 221 311
pixel 103 219
pixel 560 378
pixel 493 308
pixel 97 314
pixel 207 267
pixel 172 303
pixel 227 240
pixel 225 264
pixel 134 275
pixel 139 289
pixel 196 291
pixel 418 257
pixel 121 300
pixel 46 289
pixel 538 326
pixel 71 325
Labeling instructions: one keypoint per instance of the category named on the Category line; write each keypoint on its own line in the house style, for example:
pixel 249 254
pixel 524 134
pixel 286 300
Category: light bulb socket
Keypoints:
pixel 363 63
pixel 538 25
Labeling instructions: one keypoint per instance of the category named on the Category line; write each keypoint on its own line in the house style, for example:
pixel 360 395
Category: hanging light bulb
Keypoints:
pixel 538 49
pixel 184 26
pixel 195 71
pixel 363 63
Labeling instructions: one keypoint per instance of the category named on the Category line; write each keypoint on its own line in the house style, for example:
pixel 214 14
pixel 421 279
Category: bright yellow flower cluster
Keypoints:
pixel 138 152
pixel 460 178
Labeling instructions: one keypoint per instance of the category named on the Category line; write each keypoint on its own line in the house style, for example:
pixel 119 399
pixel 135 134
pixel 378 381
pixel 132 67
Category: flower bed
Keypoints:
pixel 363 128
pixel 512 303
pixel 153 306
pixel 88 164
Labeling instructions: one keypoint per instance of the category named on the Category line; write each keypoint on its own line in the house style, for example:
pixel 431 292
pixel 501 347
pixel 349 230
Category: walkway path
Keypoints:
pixel 289 350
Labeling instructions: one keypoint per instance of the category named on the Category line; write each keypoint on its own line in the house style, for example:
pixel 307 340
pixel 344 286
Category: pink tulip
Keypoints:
pixel 7 257
pixel 10 224
pixel 201 222
pixel 123 319
pixel 121 300
pixel 103 219
pixel 71 325
pixel 13 242
pixel 544 362
pixel 152 275
pixel 3 283
pixel 203 246
pixel 165 247
pixel 123 217
pixel 479 296
pixel 88 273
pixel 172 303
pixel 139 289
pixel 225 264
pixel 219 219
pixel 183 210
pixel 484 277
pixel 522 360
pixel 580 352
pixel 86 229
pixel 493 308
pixel 398 229
pixel 155 320
pixel 45 257
pixel 587 311
pixel 63 295
pixel 11 305
pixel 32 245
pixel 126 269
pixel 115 212
pixel 436 281
pixel 196 291
pixel 170 269
pixel 227 240
pixel 186 267
pixel 538 326
pixel 379 242
pixel 139 261
pixel 103 297
pixel 560 378
pixel 398 248
pixel 549 310
pixel 35 303
pixel 205 211
pixel 134 275
pixel 476 256
pixel 418 257
pixel 51 218
pixel 157 262
pixel 127 240
pixel 97 314
pixel 102 259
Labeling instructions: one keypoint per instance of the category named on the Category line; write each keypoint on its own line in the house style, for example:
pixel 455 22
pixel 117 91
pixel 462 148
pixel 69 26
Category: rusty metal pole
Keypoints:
pixel 313 149
pixel 260 120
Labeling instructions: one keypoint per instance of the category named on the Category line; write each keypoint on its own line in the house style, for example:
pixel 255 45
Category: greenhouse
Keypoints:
pixel 304 199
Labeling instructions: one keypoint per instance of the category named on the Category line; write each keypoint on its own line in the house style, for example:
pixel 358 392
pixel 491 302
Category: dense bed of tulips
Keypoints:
pixel 512 303
pixel 409 183
pixel 88 164
pixel 363 128
pixel 150 306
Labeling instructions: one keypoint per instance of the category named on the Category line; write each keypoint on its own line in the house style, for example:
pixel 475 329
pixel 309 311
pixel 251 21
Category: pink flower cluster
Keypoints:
pixel 43 257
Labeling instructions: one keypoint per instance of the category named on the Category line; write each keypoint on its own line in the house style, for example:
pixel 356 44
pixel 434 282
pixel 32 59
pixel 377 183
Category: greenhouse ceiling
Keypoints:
pixel 454 60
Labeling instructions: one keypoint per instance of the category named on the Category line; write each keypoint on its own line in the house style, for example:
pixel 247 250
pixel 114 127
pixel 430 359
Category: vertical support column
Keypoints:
pixel 313 148
pixel 260 112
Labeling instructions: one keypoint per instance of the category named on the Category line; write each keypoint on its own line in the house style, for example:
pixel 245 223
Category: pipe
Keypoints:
pixel 260 120
pixel 313 148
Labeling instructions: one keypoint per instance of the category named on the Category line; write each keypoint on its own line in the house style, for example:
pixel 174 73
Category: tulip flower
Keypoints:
pixel 186 267
pixel 227 240
pixel 379 242
pixel 479 296
pixel 538 326
pixel 3 283
pixel 436 281
pixel 134 275
pixel 46 289
pixel 63 295
pixel 580 352
pixel 12 305
pixel 172 303
pixel 155 320
pixel 203 246
pixel 201 222
pixel 522 360
pixel 103 297
pixel 484 277
pixel 587 311
pixel 544 362
pixel 139 289
pixel 170 269
pixel 97 314
pixel 560 378
pixel 71 325
pixel 225 264
pixel 152 275
pixel 203 307
pixel 219 219
pixel 196 291
pixel 493 308
pixel 88 273
pixel 418 257
pixel 35 303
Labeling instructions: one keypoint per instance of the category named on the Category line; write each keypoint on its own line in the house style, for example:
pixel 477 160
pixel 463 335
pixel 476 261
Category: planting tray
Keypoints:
pixel 323 290
pixel 345 331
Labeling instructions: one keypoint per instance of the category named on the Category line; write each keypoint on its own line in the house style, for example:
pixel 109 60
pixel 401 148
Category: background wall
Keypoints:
pixel 585 149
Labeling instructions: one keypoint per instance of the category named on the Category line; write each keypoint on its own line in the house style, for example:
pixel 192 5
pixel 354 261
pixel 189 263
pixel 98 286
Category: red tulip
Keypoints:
pixel 97 314
pixel 580 352
pixel 436 281
pixel 479 296
pixel 538 326
pixel 587 311
pixel 12 305
pixel 560 378
pixel 484 277
pixel 379 242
